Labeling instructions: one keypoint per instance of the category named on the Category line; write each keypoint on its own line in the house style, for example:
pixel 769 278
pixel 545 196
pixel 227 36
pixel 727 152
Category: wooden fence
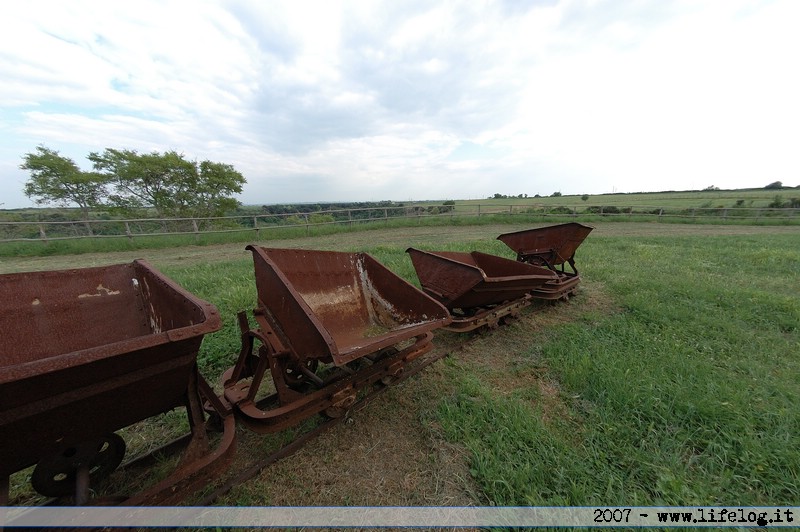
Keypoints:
pixel 47 230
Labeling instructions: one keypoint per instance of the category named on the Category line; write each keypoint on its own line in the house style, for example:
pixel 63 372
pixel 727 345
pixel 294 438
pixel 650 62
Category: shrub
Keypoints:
pixel 321 219
pixel 776 203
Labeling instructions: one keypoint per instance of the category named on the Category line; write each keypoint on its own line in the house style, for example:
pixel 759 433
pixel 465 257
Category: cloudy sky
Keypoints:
pixel 369 100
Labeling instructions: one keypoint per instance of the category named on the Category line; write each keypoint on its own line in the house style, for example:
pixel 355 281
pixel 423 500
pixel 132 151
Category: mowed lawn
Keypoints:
pixel 672 378
pixel 685 392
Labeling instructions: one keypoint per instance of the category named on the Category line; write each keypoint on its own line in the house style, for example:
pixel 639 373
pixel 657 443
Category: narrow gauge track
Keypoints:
pixel 345 314
pixel 254 468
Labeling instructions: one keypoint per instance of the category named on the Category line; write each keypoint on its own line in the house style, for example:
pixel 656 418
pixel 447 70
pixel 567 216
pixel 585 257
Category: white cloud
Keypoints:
pixel 383 100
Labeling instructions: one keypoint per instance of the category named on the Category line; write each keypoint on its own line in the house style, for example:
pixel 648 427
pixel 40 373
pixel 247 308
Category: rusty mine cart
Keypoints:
pixel 87 352
pixel 331 326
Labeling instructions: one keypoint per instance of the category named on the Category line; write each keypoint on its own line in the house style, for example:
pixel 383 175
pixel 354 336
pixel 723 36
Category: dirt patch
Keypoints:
pixel 388 454
pixel 509 359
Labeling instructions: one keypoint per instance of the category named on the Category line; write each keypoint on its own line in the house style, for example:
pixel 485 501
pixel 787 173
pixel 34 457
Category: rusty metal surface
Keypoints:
pixel 467 280
pixel 86 352
pixel 489 317
pixel 547 246
pixel 342 310
pixel 554 247
pixel 336 306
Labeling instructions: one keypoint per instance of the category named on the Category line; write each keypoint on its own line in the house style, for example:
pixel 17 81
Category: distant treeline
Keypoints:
pixel 295 208
pixel 343 211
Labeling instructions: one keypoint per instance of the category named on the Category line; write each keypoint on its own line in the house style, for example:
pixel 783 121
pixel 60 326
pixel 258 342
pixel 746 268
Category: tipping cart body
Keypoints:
pixel 549 246
pixel 325 307
pixel 86 352
pixel 553 247
pixel 336 306
pixel 467 280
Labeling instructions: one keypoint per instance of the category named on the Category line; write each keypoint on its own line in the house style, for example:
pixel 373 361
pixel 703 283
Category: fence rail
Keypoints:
pixel 46 230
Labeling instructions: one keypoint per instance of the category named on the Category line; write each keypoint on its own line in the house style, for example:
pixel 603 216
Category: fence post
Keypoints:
pixel 724 214
pixel 196 230
pixel 479 210
pixel 42 234
pixel 510 209
pixel 350 217
pixel 574 212
pixel 128 231
pixel 386 216
pixel 660 213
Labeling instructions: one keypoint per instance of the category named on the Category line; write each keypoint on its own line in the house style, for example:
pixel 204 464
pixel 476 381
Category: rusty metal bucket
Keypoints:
pixel 325 307
pixel 550 246
pixel 86 352
pixel 477 288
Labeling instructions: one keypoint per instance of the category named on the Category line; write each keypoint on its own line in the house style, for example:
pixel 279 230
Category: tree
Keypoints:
pixel 57 179
pixel 555 194
pixel 585 197
pixel 168 183
pixel 774 185
pixel 215 183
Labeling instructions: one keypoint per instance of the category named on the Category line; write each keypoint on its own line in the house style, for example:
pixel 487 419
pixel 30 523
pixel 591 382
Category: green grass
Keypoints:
pixel 277 233
pixel 707 207
pixel 686 199
pixel 682 390
pixel 113 244
pixel 687 396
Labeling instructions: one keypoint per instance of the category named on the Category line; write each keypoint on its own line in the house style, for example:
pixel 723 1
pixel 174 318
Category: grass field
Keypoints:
pixel 686 199
pixel 40 237
pixel 672 378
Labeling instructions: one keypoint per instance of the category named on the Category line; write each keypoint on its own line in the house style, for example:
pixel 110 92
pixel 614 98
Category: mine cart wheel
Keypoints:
pixel 294 376
pixel 393 373
pixel 55 476
pixel 341 402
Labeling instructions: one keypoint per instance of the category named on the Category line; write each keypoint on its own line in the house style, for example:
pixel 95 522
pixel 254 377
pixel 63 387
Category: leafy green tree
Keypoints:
pixel 213 187
pixel 168 183
pixel 57 179
pixel 774 185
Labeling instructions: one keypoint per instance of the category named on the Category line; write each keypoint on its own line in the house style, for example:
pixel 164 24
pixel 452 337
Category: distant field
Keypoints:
pixel 712 199
pixel 686 199
pixel 54 231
